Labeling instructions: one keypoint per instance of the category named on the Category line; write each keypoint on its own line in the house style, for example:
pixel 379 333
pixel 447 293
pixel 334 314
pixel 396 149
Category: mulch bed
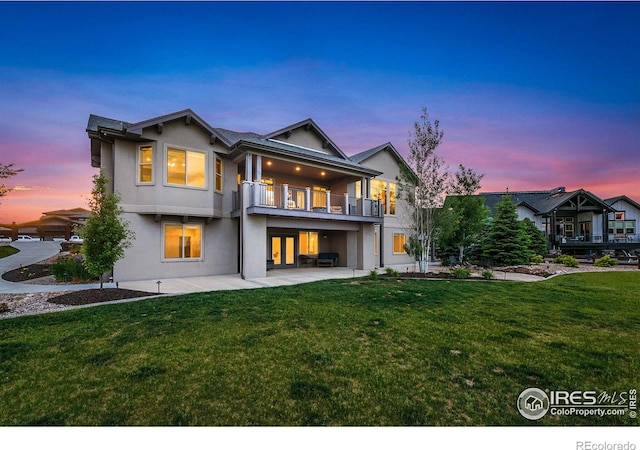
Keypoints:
pixel 89 296
pixel 27 273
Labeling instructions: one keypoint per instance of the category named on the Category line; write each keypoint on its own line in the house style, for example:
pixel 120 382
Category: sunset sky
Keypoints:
pixel 533 95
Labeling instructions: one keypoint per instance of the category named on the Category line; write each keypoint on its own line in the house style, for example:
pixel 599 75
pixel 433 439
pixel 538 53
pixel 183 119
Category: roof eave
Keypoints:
pixel 348 166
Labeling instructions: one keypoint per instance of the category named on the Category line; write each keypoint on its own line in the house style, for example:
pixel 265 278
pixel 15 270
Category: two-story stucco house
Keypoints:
pixel 210 201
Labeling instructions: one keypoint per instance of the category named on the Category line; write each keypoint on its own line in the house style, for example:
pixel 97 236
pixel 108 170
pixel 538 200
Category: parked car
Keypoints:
pixel 26 238
pixel 76 239
pixel 5 239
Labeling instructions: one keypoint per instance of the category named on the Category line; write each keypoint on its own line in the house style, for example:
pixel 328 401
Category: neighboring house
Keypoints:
pixel 209 201
pixel 623 222
pixel 576 220
pixel 52 224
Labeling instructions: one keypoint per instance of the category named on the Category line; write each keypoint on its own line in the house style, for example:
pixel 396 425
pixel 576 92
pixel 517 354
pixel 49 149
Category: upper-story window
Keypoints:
pixel 385 191
pixel 186 167
pixel 145 164
pixel 218 174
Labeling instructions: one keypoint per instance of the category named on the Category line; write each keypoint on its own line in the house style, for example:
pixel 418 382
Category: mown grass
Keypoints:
pixel 343 352
pixel 7 250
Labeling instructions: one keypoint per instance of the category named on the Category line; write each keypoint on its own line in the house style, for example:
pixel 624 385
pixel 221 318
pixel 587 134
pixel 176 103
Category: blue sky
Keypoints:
pixel 534 95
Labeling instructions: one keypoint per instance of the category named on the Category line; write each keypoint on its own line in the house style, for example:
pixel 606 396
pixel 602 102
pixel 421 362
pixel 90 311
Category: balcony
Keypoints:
pixel 291 201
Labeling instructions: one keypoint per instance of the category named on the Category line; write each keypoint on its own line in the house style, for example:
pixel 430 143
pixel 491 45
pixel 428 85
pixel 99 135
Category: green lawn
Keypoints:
pixel 7 250
pixel 342 352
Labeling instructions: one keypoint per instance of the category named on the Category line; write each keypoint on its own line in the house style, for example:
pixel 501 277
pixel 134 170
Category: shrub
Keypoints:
pixel 487 274
pixel 70 268
pixel 567 260
pixel 461 273
pixel 537 259
pixel 4 308
pixel 373 274
pixel 606 261
pixel 391 272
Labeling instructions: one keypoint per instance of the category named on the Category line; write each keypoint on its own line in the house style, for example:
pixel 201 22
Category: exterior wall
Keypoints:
pixel 142 202
pixel 630 212
pixel 524 212
pixel 160 198
pixel 253 244
pixel 304 138
pixel 387 163
pixel 144 260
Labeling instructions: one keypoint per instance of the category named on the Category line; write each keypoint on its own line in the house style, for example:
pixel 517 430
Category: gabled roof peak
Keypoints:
pixel 308 125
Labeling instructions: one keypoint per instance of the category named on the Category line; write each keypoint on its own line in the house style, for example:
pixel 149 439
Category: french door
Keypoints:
pixel 283 251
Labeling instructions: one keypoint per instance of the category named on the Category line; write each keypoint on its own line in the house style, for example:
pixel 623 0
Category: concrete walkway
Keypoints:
pixel 34 252
pixel 280 277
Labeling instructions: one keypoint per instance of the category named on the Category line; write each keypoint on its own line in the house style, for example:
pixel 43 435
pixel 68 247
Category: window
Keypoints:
pixel 622 227
pixel 186 168
pixel 218 174
pixel 308 242
pixel 399 241
pixel 145 164
pixel 379 192
pixel 564 226
pixel 182 241
pixel 392 199
pixel 619 215
pixel 630 227
pixel 375 242
pixel 319 196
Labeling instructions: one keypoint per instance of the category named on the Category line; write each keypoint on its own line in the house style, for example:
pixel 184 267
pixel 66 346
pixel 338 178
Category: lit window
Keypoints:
pixel 319 196
pixel 379 192
pixel 145 164
pixel 399 241
pixel 375 242
pixel 392 198
pixel 218 174
pixel 182 241
pixel 308 242
pixel 186 168
pixel 358 186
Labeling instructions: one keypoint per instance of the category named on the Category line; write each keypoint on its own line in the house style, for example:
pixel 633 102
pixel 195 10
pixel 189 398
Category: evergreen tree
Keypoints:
pixel 506 243
pixel 537 239
pixel 105 234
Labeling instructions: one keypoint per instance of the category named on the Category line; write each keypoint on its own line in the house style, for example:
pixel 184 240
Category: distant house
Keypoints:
pixel 52 224
pixel 576 220
pixel 207 201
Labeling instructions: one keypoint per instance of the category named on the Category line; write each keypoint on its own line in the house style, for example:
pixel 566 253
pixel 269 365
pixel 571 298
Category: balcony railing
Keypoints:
pixel 597 239
pixel 306 199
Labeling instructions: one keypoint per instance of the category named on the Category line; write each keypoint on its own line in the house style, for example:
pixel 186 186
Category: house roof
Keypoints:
pixel 543 202
pixel 308 124
pixel 96 122
pixel 291 150
pixel 624 198
pixel 363 156
pixel 236 140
